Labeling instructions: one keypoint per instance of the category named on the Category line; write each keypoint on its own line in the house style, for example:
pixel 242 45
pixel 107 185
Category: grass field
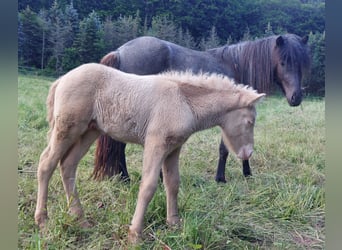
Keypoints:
pixel 280 207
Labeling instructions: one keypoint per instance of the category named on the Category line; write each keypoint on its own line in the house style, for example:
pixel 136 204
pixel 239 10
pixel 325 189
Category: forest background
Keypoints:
pixel 55 36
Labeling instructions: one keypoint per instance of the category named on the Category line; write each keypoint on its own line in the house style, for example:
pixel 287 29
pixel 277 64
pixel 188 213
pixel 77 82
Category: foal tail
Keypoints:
pixel 50 104
pixel 108 152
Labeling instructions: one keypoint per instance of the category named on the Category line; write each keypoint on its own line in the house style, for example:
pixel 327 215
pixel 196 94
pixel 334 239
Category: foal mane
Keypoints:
pixel 210 81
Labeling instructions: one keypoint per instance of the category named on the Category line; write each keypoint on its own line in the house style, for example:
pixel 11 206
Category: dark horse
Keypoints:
pixel 276 59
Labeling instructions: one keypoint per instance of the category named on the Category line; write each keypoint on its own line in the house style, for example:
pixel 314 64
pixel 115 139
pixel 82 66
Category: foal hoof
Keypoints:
pixel 85 224
pixel 173 221
pixel 41 221
pixel 134 238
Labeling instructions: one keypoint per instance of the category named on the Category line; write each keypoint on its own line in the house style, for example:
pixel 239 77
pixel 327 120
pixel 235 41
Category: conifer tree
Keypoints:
pixel 126 28
pixel 164 28
pixel 45 24
pixel 30 38
pixel 60 31
pixel 89 41
pixel 212 41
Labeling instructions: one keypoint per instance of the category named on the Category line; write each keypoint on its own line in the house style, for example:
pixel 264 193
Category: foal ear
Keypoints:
pixel 258 98
pixel 280 41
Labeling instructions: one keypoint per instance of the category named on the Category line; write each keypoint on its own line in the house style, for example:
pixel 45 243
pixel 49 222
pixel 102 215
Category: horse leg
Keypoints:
pixel 68 172
pixel 47 164
pixel 221 167
pixel 171 182
pixel 220 174
pixel 246 169
pixel 122 159
pixel 152 162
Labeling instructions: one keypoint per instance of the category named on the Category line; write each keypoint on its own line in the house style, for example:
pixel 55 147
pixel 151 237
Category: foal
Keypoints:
pixel 94 99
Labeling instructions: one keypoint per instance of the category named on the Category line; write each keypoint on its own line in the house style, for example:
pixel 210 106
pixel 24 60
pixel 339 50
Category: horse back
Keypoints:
pixel 149 55
pixel 144 56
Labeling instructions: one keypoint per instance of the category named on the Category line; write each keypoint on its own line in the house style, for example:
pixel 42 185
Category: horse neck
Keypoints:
pixel 216 52
pixel 252 62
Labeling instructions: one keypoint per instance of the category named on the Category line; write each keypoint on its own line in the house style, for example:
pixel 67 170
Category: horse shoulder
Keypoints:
pixel 171 120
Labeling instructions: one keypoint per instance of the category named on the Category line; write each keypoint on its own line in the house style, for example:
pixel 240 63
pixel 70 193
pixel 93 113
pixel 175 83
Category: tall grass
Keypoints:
pixel 280 207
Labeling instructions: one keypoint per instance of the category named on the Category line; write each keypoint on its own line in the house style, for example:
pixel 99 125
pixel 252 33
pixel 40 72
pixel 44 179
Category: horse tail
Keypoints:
pixel 108 153
pixel 50 104
pixel 112 59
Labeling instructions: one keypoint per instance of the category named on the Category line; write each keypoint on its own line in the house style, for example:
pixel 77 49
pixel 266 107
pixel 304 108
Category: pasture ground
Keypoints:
pixel 280 207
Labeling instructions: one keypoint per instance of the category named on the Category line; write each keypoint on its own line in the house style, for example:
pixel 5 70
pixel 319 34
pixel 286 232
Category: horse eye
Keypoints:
pixel 282 64
pixel 250 122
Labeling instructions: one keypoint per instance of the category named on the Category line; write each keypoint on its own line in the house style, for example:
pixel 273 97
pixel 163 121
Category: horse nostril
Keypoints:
pixel 296 99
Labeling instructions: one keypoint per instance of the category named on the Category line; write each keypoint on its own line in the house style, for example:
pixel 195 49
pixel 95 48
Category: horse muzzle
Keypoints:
pixel 245 152
pixel 295 99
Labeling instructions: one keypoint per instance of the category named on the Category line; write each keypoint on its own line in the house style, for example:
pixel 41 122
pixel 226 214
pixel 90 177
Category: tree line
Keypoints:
pixel 55 36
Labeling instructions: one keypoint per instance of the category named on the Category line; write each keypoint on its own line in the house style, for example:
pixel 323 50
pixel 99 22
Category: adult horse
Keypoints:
pixel 159 112
pixel 261 63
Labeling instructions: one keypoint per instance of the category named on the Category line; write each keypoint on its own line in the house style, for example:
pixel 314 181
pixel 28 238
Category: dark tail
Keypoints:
pixel 111 59
pixel 109 158
pixel 110 154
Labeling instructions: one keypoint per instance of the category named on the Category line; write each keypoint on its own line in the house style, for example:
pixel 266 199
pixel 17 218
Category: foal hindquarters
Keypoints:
pixel 66 147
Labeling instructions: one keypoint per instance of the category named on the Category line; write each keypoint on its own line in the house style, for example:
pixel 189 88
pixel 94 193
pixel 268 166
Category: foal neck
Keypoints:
pixel 209 104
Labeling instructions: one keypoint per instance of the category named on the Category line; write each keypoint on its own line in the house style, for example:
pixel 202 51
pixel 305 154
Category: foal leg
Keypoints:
pixel 68 172
pixel 47 164
pixel 152 162
pixel 221 167
pixel 171 182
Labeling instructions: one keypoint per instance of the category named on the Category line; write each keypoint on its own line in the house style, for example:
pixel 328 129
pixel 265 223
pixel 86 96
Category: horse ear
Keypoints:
pixel 305 39
pixel 280 41
pixel 258 98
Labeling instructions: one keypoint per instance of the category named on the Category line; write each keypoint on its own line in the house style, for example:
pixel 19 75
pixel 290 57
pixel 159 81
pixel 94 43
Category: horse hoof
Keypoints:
pixel 248 174
pixel 220 179
pixel 125 179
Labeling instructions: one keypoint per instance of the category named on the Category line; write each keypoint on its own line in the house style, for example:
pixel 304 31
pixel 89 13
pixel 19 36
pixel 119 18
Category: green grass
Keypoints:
pixel 280 207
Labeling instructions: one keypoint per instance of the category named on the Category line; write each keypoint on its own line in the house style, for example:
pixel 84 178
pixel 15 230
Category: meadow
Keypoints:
pixel 280 207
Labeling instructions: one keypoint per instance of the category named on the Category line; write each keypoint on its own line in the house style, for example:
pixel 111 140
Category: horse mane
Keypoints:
pixel 206 80
pixel 254 60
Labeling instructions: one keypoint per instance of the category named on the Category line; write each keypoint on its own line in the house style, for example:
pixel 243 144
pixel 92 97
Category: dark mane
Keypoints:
pixel 254 60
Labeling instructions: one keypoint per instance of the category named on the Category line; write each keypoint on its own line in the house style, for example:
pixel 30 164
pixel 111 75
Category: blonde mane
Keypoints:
pixel 206 80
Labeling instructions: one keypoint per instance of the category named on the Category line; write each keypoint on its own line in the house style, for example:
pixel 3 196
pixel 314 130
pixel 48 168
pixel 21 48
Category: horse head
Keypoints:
pixel 238 127
pixel 291 61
